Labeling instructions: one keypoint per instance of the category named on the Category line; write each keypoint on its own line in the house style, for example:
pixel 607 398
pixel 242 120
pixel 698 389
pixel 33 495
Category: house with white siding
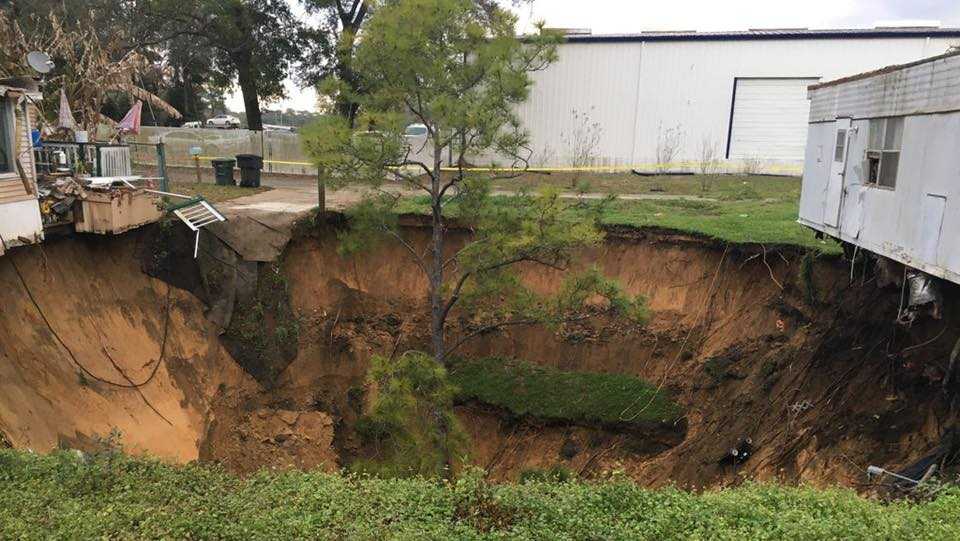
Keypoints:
pixel 20 221
pixel 882 163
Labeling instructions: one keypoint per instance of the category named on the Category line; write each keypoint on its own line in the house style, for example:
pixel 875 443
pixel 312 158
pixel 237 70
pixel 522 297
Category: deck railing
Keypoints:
pixel 96 159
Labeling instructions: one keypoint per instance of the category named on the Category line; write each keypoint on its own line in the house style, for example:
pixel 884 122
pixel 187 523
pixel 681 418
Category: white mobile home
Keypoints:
pixel 882 164
pixel 741 92
pixel 20 221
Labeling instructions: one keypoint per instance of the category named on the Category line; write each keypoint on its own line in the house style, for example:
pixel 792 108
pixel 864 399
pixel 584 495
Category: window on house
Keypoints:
pixel 6 136
pixel 841 145
pixel 883 151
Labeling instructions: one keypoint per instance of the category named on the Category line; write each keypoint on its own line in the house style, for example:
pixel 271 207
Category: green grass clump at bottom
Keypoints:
pixel 527 389
pixel 59 496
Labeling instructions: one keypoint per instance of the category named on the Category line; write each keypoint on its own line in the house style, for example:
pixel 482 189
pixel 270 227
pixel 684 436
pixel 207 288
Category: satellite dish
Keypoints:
pixel 40 62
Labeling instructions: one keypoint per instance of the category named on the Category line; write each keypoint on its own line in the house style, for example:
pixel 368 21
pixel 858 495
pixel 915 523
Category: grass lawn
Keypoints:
pixel 710 186
pixel 732 208
pixel 61 496
pixel 745 221
pixel 527 389
pixel 214 193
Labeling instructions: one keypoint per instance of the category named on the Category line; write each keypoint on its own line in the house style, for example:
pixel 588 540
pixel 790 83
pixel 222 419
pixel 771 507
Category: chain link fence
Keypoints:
pixel 281 151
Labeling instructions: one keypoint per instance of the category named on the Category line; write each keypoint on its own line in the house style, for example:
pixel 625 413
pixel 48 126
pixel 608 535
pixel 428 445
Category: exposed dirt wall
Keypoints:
pixel 819 389
pixel 113 319
pixel 725 295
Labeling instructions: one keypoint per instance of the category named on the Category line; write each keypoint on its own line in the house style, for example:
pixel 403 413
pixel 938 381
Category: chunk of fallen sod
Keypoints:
pixel 526 389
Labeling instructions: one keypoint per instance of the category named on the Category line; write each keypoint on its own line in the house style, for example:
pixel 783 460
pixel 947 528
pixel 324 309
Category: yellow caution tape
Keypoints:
pixel 645 167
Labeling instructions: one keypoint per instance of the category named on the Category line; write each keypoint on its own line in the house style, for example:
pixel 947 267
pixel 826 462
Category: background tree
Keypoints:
pixel 89 68
pixel 178 70
pixel 194 86
pixel 333 46
pixel 459 69
pixel 255 42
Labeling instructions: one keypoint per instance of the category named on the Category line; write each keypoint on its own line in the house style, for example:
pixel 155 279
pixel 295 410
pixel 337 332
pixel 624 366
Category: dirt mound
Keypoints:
pixel 246 441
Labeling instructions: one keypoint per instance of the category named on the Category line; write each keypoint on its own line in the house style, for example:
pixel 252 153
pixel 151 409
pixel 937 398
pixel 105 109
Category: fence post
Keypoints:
pixel 162 167
pixel 321 194
pixel 98 158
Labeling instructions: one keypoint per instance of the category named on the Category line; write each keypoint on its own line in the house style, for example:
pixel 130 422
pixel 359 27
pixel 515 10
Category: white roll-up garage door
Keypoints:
pixel 769 120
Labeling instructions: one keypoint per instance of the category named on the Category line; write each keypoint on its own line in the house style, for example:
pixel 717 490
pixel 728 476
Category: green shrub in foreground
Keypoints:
pixel 145 499
pixel 527 389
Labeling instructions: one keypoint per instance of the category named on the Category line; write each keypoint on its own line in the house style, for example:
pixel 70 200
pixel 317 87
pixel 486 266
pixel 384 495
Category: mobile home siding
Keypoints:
pixel 20 221
pixel 24 144
pixel 895 223
pixel 929 87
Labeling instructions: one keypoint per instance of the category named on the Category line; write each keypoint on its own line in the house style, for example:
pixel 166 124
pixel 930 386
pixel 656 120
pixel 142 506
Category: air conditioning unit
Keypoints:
pixel 114 161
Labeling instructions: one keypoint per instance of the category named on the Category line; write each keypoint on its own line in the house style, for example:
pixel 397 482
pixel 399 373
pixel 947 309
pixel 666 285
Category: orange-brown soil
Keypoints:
pixel 820 389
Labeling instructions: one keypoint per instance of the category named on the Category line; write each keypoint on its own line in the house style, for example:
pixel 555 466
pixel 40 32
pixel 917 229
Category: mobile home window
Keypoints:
pixel 883 151
pixel 841 145
pixel 6 136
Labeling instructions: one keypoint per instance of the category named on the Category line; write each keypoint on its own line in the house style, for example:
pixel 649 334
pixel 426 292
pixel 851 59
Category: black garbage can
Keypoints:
pixel 223 170
pixel 250 166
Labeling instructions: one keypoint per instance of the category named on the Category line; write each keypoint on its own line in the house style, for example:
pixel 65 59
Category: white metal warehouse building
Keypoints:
pixel 743 92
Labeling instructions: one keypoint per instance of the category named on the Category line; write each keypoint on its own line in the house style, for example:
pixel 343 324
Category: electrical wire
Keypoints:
pixel 663 380
pixel 73 357
pixel 928 342
pixel 903 289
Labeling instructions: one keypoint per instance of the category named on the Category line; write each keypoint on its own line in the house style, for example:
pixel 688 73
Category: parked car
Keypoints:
pixel 223 121
pixel 415 130
pixel 192 124
pixel 415 136
pixel 274 127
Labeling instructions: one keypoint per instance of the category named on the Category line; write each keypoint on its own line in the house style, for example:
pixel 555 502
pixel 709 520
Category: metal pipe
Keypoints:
pixel 877 470
pixel 158 192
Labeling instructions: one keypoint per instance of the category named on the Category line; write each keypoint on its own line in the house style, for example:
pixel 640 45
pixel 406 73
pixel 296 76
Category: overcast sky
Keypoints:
pixel 630 16
pixel 627 16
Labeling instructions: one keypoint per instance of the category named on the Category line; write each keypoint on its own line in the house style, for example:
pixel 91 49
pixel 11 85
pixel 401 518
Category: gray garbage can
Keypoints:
pixel 223 171
pixel 250 166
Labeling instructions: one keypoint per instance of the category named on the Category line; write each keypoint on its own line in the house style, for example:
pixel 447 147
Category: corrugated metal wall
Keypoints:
pixel 596 79
pixel 636 90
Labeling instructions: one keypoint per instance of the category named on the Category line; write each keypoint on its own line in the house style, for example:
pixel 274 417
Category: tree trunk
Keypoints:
pixel 436 270
pixel 348 110
pixel 438 318
pixel 351 18
pixel 345 105
pixel 190 96
pixel 248 87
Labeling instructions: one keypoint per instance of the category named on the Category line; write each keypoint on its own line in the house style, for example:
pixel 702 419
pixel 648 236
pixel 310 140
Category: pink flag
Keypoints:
pixel 65 120
pixel 131 121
